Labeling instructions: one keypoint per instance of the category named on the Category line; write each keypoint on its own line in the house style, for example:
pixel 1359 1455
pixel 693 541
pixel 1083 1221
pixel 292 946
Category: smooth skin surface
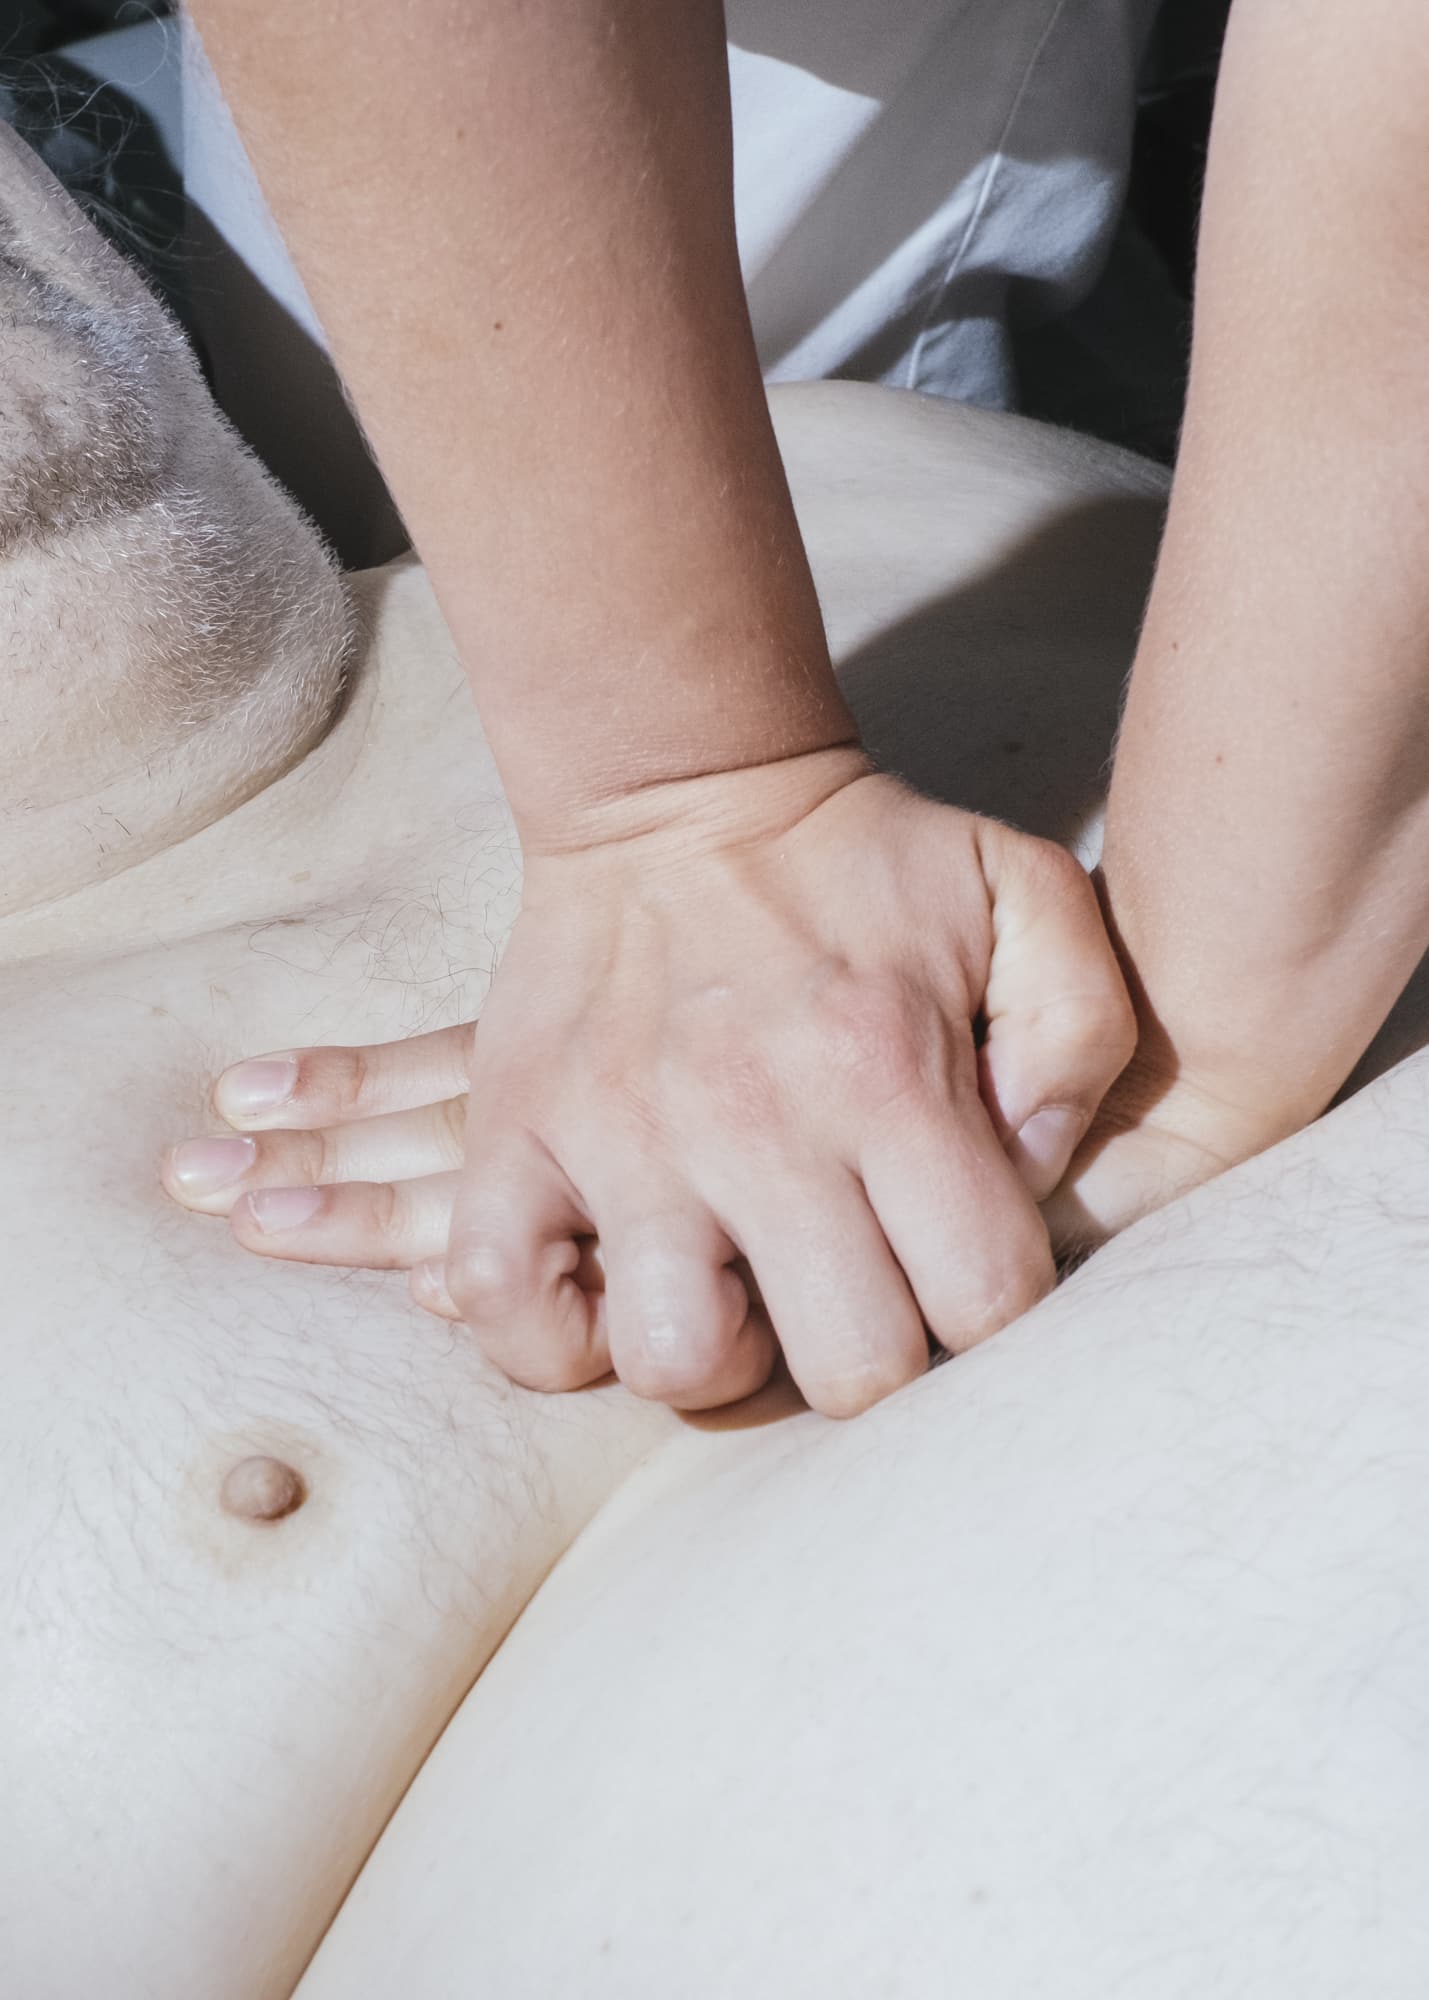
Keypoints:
pixel 1142 1708
pixel 1093 1663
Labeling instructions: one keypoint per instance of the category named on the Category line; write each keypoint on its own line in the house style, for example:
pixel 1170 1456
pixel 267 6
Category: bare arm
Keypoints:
pixel 1267 853
pixel 516 221
pixel 733 1026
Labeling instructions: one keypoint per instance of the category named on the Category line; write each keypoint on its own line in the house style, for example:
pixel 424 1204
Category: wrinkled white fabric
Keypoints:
pixel 909 176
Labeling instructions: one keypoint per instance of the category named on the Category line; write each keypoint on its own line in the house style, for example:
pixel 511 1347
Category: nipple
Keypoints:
pixel 262 1489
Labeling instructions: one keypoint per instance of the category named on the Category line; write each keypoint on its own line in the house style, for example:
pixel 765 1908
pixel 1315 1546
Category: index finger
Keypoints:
pixel 303 1088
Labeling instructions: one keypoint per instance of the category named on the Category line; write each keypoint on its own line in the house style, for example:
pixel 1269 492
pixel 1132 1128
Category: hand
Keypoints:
pixel 1154 1138
pixel 344 1156
pixel 1177 1115
pixel 736 1046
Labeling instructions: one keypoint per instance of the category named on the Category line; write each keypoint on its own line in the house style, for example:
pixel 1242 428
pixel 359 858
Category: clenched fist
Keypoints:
pixel 789 1056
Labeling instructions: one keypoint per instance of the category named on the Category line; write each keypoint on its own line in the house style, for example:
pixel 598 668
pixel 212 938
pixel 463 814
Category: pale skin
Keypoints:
pixel 1102 1649
pixel 1267 848
pixel 680 1040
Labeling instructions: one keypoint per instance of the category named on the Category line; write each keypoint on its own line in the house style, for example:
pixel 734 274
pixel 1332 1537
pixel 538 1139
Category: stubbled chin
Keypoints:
pixel 67 841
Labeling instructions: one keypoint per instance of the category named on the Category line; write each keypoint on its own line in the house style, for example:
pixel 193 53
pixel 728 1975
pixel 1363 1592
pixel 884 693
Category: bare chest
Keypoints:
pixel 263 1526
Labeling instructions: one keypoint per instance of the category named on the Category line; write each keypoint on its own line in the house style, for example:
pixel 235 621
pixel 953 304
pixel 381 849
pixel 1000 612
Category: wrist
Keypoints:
pixel 1265 1037
pixel 694 810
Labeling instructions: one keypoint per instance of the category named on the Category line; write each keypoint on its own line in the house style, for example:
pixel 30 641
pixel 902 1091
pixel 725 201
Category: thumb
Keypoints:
pixel 1060 1025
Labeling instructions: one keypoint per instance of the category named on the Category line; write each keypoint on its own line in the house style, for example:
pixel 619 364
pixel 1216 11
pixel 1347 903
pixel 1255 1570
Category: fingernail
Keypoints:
pixel 203 1166
pixel 276 1209
pixel 251 1087
pixel 1044 1145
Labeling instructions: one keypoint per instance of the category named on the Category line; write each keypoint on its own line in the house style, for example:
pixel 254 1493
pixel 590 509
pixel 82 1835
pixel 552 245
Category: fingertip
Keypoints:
pixel 490 1274
pixel 695 1367
pixel 749 1368
pixel 202 1174
pixel 255 1092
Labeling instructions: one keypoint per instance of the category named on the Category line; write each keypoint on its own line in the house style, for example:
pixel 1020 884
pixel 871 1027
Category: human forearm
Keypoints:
pixel 1268 836
pixel 516 222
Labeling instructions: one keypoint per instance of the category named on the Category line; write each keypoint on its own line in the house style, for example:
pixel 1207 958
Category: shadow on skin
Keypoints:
pixel 282 392
pixel 1404 1033
pixel 779 1398
pixel 1030 701
pixel 1036 700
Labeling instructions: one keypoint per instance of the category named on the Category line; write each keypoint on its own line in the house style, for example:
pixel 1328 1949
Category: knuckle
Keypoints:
pixel 428 1289
pixel 547 1378
pixel 989 1311
pixel 1048 879
pixel 857 1386
pixel 486 1277
pixel 671 1356
pixel 386 1212
pixel 1101 1027
pixel 1056 870
pixel 340 1078
pixel 741 1086
pixel 549 1368
pixel 450 1120
pixel 318 1157
pixel 866 1038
